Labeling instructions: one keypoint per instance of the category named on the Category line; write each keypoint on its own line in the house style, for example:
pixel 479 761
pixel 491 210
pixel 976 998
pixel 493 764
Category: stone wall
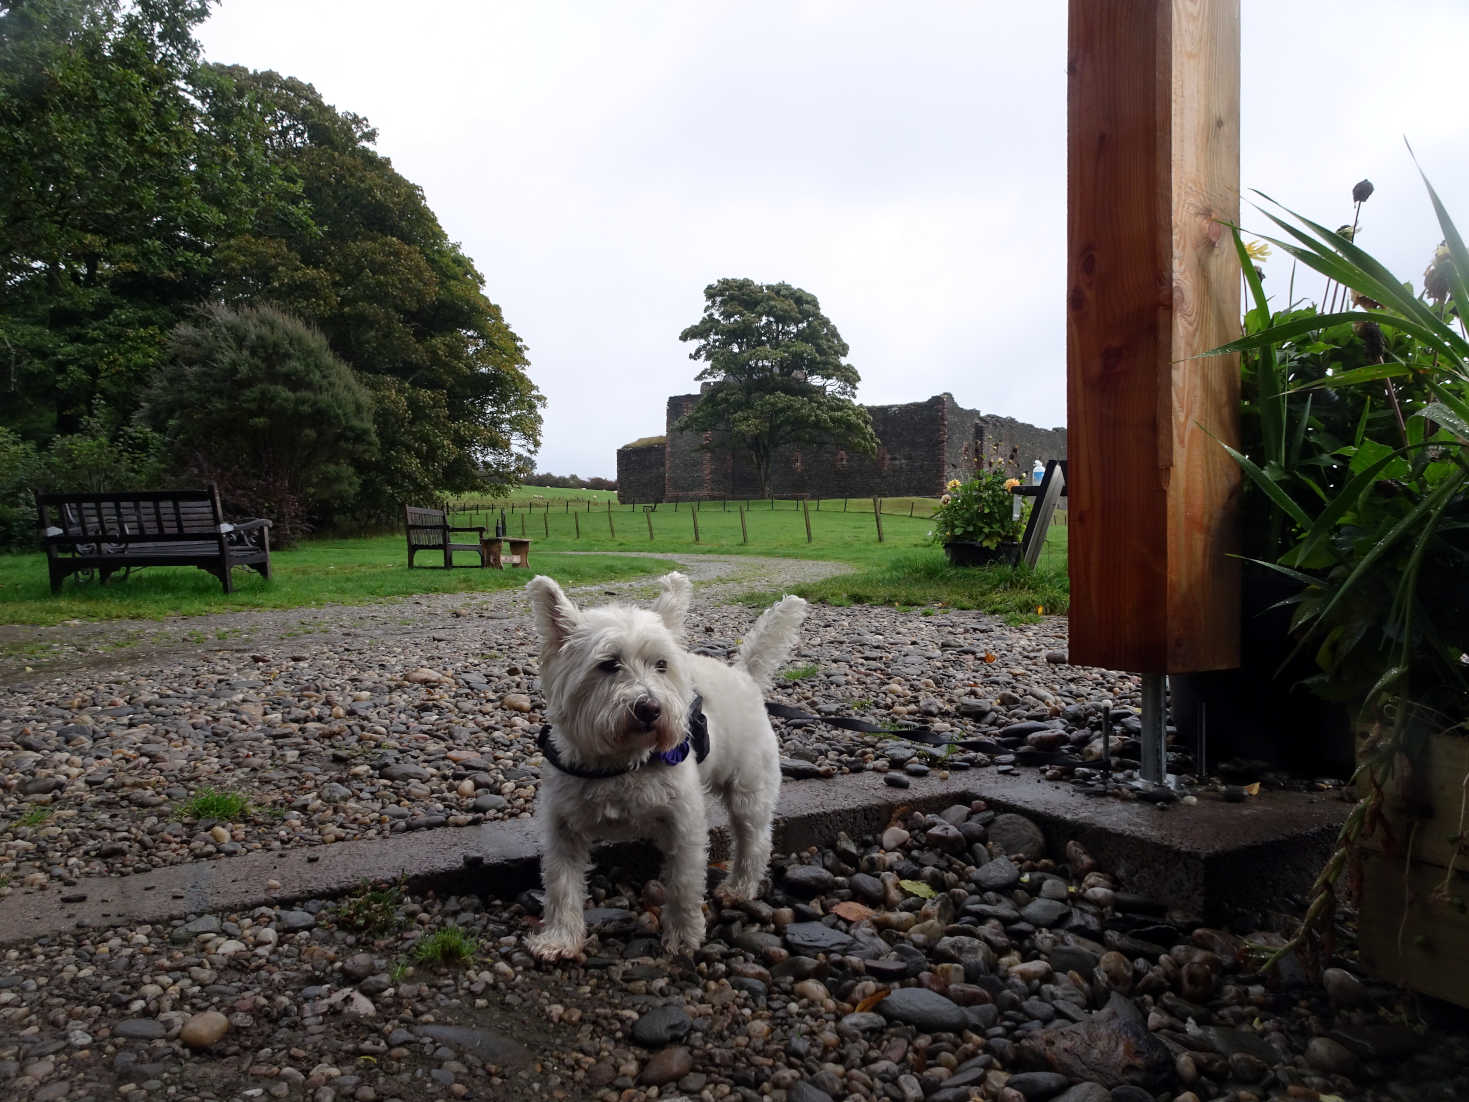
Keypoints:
pixel 922 445
pixel 640 472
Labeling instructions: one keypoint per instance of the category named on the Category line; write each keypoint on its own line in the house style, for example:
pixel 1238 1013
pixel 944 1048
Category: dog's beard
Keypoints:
pixel 595 713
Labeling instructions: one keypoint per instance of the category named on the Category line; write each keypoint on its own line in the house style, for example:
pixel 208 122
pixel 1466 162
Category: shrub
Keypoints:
pixel 256 400
pixel 20 472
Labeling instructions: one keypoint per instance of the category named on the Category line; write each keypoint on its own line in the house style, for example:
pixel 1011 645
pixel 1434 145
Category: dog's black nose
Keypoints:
pixel 646 711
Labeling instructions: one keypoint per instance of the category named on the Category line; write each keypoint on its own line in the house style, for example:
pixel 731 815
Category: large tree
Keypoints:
pixel 401 303
pixel 137 184
pixel 777 374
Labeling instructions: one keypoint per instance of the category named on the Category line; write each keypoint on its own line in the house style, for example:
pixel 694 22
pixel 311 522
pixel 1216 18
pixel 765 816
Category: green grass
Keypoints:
pixel 799 673
pixel 317 572
pixel 925 580
pixel 848 535
pixel 372 910
pixel 32 818
pixel 904 569
pixel 213 803
pixel 451 945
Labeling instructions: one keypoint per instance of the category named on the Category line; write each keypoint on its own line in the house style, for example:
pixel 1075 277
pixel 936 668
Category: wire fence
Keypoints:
pixel 773 522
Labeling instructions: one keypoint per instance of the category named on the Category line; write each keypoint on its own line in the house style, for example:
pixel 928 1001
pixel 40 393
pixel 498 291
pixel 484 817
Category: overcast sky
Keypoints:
pixel 602 162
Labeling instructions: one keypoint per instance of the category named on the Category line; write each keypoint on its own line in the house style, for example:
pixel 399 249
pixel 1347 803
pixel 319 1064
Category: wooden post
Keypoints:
pixel 806 511
pixel 695 514
pixel 576 520
pixel 546 520
pixel 611 528
pixel 649 514
pixel 1153 165
pixel 744 534
pixel 877 515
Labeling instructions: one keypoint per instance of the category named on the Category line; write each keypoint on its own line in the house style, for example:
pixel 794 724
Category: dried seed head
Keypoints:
pixel 1372 338
pixel 1359 299
pixel 1438 275
pixel 1362 191
pixel 1346 231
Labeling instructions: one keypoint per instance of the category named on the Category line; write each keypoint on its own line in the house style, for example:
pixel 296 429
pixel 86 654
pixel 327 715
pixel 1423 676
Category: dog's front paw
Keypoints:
pixel 684 937
pixel 554 945
pixel 729 892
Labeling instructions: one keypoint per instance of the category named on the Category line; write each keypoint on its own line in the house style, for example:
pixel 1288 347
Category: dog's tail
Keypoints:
pixel 770 642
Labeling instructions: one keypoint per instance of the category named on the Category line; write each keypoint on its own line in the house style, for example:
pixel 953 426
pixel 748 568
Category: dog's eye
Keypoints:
pixel 661 665
pixel 610 665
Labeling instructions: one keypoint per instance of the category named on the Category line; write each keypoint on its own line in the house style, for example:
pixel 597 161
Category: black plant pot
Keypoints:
pixel 1260 711
pixel 966 553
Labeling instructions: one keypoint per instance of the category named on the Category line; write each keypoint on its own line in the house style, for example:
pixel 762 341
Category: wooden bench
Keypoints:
pixel 429 530
pixel 126 530
pixel 519 554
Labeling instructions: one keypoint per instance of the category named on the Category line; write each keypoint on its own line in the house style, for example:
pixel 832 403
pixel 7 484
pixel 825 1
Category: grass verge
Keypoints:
pixel 924 579
pixel 212 803
pixel 316 573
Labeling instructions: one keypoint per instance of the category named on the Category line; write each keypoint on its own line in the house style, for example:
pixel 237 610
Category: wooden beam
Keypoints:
pixel 1153 163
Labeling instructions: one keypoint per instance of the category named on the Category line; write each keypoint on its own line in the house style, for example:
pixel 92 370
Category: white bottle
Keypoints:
pixel 1038 472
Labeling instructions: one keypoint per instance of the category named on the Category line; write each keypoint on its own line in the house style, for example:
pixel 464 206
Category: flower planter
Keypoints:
pixel 965 553
pixel 1413 915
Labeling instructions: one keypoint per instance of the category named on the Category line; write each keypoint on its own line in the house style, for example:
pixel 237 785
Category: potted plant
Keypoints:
pixel 1375 537
pixel 975 520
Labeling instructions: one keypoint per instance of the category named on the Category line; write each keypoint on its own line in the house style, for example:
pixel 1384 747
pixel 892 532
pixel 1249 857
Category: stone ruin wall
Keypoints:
pixel 640 472
pixel 922 445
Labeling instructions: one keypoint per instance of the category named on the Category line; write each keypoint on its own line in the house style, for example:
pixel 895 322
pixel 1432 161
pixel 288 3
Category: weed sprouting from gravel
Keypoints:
pixel 214 803
pixel 372 911
pixel 451 945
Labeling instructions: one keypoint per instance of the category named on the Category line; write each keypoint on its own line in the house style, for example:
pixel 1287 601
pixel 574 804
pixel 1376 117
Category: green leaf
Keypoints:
pixel 1270 487
pixel 918 888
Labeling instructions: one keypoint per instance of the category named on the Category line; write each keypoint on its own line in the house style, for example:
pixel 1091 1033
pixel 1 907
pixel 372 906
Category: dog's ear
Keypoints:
pixel 672 604
pixel 555 615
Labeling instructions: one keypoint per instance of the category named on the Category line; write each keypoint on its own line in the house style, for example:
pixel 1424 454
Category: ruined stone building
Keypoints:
pixel 922 445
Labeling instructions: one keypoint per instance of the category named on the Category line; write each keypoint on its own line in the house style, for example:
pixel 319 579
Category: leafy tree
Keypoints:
pixel 400 302
pixel 106 227
pixel 776 372
pixel 257 401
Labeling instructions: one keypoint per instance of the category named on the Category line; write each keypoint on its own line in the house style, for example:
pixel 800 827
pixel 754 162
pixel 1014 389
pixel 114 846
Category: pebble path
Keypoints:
pixel 951 957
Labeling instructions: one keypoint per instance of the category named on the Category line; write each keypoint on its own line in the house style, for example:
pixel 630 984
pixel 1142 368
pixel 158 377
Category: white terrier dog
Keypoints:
pixel 623 701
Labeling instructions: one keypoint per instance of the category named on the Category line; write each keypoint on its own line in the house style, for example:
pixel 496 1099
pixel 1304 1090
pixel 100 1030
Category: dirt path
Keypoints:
pixel 29 652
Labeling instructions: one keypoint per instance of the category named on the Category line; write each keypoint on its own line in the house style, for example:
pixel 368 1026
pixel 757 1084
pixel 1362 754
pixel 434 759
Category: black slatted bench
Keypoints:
pixel 108 532
pixel 429 530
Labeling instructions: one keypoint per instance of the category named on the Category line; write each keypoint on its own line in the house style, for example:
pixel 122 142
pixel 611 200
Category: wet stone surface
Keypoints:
pixel 944 958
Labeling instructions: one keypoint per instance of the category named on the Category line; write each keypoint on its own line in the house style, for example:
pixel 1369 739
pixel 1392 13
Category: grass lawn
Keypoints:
pixel 317 572
pixel 904 569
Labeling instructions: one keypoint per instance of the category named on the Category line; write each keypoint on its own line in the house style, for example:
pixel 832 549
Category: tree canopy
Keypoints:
pixel 138 184
pixel 776 373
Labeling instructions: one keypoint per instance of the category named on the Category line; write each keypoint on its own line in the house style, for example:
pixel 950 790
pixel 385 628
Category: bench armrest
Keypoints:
pixel 251 525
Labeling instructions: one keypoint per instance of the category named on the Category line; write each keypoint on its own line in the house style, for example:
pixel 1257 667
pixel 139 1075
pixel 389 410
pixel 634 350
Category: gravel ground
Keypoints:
pixel 949 958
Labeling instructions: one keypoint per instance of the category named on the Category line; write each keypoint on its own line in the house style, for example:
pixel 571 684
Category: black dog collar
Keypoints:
pixel 696 739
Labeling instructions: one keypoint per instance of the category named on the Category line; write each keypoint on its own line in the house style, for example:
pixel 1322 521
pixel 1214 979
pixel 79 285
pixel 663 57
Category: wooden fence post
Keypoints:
pixel 649 514
pixel 877 515
pixel 744 535
pixel 806 511
pixel 546 520
pixel 576 520
pixel 611 528
pixel 694 513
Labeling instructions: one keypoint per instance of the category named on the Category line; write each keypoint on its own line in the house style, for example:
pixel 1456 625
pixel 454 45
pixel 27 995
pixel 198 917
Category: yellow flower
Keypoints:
pixel 1011 483
pixel 1257 250
pixel 954 484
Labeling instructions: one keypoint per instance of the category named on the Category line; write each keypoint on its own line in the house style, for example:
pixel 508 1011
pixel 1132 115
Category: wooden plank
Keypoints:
pixel 1434 795
pixel 1153 161
pixel 1413 926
